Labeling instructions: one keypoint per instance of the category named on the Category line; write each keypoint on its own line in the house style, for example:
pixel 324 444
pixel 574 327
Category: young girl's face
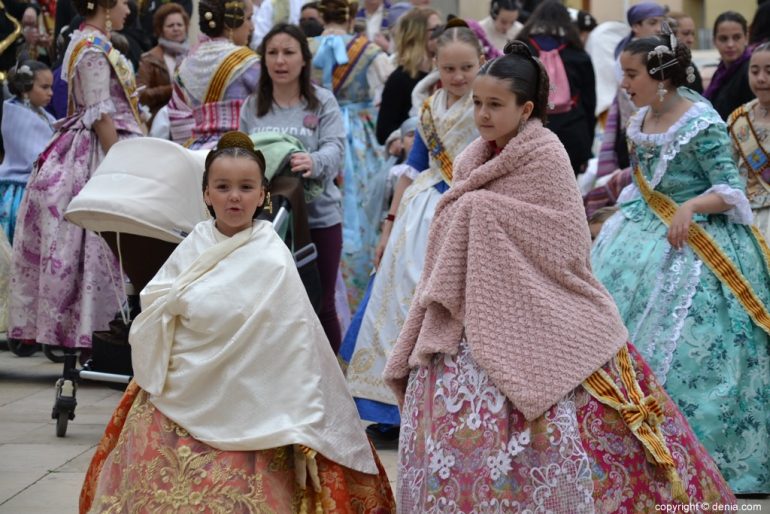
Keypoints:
pixel 458 63
pixel 641 88
pixel 42 88
pixel 234 190
pixel 496 111
pixel 759 76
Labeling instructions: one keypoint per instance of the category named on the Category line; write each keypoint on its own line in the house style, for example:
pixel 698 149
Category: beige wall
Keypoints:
pixel 715 7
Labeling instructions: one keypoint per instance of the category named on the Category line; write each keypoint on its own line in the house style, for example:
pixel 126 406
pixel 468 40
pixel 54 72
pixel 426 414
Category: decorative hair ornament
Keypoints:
pixel 25 71
pixel 690 74
pixel 212 24
pixel 208 16
pixel 90 6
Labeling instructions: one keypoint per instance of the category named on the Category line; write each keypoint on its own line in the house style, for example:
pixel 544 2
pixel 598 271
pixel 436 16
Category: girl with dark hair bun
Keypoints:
pixel 729 86
pixel 366 68
pixel 502 24
pixel 274 429
pixel 513 364
pixel 216 76
pixel 288 102
pixel 551 34
pixel 686 267
pixel 27 128
pixel 62 288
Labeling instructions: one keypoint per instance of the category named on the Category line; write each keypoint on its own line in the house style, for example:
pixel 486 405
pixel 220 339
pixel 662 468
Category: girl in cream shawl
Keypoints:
pixel 519 392
pixel 445 128
pixel 238 403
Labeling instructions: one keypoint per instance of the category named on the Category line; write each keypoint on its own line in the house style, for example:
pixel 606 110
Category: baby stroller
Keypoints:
pixel 143 199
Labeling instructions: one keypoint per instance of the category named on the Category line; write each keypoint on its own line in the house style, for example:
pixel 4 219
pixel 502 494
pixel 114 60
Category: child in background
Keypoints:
pixel 27 128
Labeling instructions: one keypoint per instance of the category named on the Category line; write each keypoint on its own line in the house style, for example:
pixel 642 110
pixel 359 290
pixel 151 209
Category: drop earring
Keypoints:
pixel 25 100
pixel 662 91
pixel 108 23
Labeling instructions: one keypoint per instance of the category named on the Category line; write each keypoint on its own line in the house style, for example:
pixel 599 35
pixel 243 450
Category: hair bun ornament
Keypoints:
pixel 690 74
pixel 25 71
pixel 236 139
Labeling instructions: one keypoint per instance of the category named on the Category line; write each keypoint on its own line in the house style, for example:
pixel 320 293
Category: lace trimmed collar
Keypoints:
pixel 697 118
pixel 634 131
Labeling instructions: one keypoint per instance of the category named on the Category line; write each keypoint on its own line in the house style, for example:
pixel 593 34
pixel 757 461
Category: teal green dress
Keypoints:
pixel 692 330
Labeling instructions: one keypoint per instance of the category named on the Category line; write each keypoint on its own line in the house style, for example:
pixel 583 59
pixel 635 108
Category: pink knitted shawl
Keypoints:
pixel 508 266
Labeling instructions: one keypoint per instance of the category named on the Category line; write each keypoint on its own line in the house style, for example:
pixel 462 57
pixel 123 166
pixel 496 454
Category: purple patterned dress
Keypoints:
pixel 63 278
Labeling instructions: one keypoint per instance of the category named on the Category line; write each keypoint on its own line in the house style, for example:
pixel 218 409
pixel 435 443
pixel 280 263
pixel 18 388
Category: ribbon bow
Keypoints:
pixel 332 52
pixel 646 411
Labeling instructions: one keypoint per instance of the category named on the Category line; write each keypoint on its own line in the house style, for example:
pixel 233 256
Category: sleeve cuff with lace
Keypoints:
pixel 94 112
pixel 400 170
pixel 741 209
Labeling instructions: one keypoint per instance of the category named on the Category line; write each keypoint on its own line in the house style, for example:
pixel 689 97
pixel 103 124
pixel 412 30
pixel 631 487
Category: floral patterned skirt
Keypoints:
pixel 464 448
pixel 146 463
pixel 64 279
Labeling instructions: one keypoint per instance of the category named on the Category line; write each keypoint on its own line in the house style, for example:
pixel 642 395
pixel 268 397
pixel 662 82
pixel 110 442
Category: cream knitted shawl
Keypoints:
pixel 508 266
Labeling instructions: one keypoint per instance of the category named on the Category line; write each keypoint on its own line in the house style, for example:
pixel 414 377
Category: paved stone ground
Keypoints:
pixel 41 473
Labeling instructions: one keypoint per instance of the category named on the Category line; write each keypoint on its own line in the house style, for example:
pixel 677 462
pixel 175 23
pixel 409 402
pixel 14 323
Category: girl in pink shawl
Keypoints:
pixel 518 389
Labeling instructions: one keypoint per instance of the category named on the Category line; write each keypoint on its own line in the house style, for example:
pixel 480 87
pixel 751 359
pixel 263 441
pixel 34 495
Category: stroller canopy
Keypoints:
pixel 144 186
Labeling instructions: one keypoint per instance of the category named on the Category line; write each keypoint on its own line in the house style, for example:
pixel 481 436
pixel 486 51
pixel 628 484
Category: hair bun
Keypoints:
pixel 235 139
pixel 517 48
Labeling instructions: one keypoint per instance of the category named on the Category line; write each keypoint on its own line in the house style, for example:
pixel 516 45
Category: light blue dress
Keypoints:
pixel 692 330
pixel 363 187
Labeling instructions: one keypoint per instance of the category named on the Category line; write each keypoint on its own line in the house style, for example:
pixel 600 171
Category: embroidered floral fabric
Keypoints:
pixel 147 463
pixel 63 277
pixel 464 448
pixel 690 328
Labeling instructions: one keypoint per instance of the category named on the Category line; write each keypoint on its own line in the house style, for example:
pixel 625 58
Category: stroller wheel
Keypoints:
pixel 21 349
pixel 61 424
pixel 54 353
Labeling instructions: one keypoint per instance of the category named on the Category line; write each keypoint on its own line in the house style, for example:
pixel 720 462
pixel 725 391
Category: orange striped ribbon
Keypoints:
pixel 221 78
pixel 341 72
pixel 433 142
pixel 642 414
pixel 709 252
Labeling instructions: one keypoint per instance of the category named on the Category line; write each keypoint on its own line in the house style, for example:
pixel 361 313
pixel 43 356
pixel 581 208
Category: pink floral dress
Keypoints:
pixel 465 449
pixel 63 277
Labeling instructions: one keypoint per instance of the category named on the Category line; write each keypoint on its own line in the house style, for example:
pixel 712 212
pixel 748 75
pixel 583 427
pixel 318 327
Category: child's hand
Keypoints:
pixel 678 232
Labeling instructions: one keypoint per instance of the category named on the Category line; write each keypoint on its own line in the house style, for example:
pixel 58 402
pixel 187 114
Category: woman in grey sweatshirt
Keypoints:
pixel 287 102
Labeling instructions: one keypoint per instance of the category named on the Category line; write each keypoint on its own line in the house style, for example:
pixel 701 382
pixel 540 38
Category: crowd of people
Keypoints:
pixel 541 250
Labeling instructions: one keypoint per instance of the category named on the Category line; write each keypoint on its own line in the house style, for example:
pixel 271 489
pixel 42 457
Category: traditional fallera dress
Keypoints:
pixel 26 132
pixel 444 133
pixel 520 393
pixel 698 315
pixel 231 398
pixel 354 69
pixel 209 89
pixel 750 139
pixel 64 278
